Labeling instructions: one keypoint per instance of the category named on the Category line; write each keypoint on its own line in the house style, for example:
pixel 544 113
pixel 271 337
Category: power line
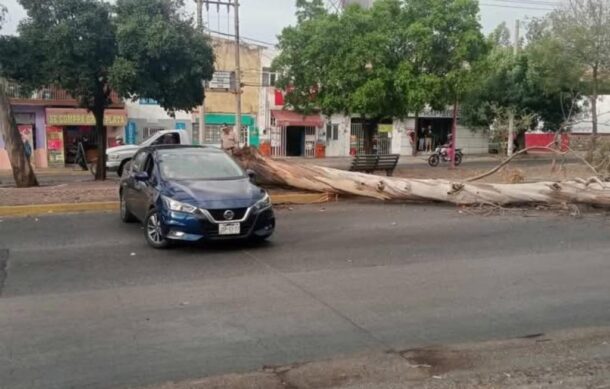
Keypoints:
pixel 242 37
pixel 516 7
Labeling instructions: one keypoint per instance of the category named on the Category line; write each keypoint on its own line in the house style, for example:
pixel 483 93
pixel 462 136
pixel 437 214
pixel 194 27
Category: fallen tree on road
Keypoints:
pixel 322 179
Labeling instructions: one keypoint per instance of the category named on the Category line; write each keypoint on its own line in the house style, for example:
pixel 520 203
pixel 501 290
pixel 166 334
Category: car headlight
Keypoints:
pixel 114 157
pixel 177 206
pixel 263 203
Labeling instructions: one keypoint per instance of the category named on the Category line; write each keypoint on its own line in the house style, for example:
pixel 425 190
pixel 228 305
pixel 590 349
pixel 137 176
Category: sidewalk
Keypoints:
pixel 563 360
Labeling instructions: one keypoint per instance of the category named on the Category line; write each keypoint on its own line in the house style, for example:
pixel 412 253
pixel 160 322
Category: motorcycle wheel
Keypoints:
pixel 458 159
pixel 433 160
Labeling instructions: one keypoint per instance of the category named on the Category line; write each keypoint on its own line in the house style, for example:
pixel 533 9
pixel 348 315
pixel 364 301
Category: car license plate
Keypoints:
pixel 229 229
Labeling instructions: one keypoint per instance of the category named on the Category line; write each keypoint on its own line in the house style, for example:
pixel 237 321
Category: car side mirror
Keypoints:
pixel 252 175
pixel 141 176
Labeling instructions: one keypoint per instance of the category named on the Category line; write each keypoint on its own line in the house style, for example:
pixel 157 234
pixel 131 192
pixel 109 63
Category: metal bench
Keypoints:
pixel 369 163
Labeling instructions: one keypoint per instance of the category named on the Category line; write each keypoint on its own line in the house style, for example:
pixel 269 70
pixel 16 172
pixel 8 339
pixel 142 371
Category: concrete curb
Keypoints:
pixel 110 206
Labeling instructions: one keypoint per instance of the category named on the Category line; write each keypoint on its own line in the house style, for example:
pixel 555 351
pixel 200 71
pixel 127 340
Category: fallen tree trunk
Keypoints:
pixel 322 179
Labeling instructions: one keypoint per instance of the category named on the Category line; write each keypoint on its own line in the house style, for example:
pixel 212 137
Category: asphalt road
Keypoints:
pixel 85 303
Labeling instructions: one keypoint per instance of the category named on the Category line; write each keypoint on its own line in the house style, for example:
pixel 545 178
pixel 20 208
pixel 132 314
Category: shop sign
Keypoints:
pixel 55 145
pixel 78 117
pixel 222 80
pixel 385 128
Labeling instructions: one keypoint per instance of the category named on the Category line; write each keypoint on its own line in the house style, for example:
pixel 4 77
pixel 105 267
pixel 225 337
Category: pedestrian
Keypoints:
pixel 228 139
pixel 421 145
pixel 428 138
pixel 27 148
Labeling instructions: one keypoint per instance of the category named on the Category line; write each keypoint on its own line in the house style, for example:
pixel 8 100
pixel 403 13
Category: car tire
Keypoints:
pixel 126 215
pixel 153 231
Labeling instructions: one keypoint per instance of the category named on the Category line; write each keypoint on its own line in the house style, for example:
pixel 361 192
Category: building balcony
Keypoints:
pixel 51 96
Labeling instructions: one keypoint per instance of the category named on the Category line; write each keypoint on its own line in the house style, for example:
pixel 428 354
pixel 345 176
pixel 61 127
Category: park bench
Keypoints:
pixel 369 163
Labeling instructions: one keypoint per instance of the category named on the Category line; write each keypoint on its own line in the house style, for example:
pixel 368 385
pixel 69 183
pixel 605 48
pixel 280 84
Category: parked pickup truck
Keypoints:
pixel 117 157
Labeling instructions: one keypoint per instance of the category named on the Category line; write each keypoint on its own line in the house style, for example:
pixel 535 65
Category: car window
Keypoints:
pixel 138 161
pixel 171 138
pixel 197 164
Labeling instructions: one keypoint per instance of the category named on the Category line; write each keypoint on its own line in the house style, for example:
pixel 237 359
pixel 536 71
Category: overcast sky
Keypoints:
pixel 264 19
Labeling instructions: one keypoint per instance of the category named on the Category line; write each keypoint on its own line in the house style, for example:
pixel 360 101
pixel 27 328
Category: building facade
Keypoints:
pixel 52 123
pixel 220 100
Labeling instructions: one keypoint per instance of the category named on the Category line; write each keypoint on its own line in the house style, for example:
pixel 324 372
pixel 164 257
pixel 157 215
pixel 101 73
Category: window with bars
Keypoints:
pixel 335 132
pixel 212 134
pixel 243 136
pixel 150 131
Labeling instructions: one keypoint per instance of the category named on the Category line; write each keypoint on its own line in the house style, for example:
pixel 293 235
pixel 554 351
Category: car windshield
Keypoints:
pixel 197 164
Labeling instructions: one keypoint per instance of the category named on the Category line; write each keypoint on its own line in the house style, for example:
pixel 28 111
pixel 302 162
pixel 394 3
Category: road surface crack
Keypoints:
pixel 3 268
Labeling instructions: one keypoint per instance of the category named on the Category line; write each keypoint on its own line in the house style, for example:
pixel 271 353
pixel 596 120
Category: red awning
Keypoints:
pixel 290 118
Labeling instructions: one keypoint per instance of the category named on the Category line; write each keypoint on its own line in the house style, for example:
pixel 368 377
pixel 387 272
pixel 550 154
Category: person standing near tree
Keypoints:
pixel 227 139
pixel 27 148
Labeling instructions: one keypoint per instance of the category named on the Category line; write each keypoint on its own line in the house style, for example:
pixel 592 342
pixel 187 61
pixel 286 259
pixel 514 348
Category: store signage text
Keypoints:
pixel 84 119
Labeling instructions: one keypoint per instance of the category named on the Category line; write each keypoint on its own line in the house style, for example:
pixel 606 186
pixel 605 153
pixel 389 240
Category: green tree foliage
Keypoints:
pixel 387 61
pixel 582 30
pixel 540 84
pixel 139 48
pixel 160 55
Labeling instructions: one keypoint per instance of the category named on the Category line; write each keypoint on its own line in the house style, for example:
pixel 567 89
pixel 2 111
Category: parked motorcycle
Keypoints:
pixel 441 154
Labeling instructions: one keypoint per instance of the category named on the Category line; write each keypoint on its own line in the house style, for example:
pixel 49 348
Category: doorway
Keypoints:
pixel 295 141
pixel 432 132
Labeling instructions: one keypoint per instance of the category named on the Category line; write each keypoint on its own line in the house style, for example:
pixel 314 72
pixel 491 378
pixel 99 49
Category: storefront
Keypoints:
pixel 65 128
pixel 293 134
pixel 31 124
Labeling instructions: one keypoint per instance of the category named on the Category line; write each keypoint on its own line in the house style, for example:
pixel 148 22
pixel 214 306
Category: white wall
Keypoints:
pixel 403 142
pixel 603 118
pixel 472 142
pixel 152 112
pixel 340 147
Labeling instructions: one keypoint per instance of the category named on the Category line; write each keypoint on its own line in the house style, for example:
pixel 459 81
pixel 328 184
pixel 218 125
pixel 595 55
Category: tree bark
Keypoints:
pixel 322 179
pixel 22 169
pixel 593 99
pixel 101 134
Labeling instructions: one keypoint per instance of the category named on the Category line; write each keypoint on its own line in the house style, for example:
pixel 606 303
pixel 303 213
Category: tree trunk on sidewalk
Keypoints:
pixel 22 169
pixel 322 179
pixel 101 136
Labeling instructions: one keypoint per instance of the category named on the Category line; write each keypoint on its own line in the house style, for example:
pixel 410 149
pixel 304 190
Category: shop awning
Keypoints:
pixel 291 118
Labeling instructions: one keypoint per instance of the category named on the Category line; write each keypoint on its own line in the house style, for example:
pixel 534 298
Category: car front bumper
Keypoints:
pixel 113 166
pixel 195 227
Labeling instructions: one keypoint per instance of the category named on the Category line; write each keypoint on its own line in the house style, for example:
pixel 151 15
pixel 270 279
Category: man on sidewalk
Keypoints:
pixel 227 139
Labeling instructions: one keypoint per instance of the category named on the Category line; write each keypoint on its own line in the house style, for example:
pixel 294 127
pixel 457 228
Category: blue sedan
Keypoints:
pixel 190 193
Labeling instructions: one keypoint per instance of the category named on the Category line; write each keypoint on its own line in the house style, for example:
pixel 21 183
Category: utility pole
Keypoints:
pixel 237 91
pixel 202 109
pixel 511 112
pixel 237 78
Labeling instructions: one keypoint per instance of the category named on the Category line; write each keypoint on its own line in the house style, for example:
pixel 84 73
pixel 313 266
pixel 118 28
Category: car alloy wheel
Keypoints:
pixel 154 231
